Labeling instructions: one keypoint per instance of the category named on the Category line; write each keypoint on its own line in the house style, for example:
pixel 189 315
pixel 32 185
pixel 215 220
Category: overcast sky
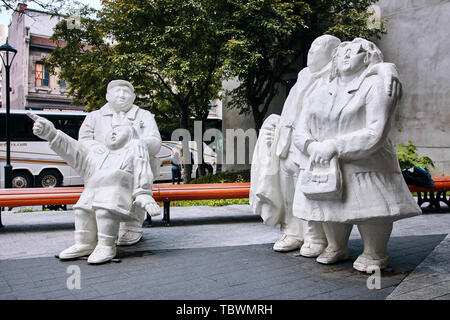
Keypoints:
pixel 5 15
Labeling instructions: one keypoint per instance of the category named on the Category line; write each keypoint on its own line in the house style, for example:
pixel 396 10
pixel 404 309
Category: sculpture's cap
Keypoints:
pixel 116 83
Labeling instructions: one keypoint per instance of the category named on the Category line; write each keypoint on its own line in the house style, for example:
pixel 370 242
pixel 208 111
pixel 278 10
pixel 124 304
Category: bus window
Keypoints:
pixel 69 124
pixel 21 128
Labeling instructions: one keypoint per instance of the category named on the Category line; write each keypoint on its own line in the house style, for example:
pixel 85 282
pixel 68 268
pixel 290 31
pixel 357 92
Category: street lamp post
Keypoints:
pixel 6 49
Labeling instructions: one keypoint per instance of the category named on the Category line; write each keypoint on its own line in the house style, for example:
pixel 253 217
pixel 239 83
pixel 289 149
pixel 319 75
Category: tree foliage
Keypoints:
pixel 52 6
pixel 270 39
pixel 177 52
pixel 171 50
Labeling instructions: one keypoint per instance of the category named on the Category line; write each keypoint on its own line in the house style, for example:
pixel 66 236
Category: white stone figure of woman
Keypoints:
pixel 348 119
pixel 276 162
pixel 272 189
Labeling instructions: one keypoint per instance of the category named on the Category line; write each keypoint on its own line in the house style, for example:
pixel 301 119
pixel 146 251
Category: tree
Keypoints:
pixel 270 39
pixel 171 50
pixel 52 6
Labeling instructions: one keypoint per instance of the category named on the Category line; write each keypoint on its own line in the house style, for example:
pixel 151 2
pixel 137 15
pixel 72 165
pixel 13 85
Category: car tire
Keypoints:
pixel 49 178
pixel 22 179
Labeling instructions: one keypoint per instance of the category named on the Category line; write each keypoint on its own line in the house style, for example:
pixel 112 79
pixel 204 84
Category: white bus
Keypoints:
pixel 36 165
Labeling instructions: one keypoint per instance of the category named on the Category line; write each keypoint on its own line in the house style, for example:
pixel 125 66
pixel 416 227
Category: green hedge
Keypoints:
pixel 224 177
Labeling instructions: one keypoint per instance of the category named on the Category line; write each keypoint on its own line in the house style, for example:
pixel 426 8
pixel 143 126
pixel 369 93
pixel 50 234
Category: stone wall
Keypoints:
pixel 417 42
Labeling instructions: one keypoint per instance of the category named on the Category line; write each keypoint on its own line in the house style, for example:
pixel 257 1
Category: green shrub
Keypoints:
pixel 408 157
pixel 224 177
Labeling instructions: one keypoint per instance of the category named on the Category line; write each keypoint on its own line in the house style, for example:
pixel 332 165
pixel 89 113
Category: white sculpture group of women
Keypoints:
pixel 322 166
pixel 115 155
pixel 326 163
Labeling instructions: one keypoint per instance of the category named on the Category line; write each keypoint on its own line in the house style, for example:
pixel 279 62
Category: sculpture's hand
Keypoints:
pixel 389 73
pixel 42 127
pixel 322 152
pixel 148 203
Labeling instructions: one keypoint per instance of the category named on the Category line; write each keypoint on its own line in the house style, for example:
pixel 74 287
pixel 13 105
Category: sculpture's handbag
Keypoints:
pixel 319 183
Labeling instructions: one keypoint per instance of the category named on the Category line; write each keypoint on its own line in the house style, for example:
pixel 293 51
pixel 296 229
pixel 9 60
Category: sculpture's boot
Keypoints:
pixel 337 236
pixel 375 238
pixel 85 242
pixel 292 238
pixel 131 232
pixel 315 239
pixel 290 226
pixel 105 249
pixel 287 243
pixel 85 236
pixel 108 227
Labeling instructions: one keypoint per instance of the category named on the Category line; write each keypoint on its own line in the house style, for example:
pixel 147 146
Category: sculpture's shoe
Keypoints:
pixel 332 256
pixel 287 243
pixel 102 254
pixel 128 237
pixel 76 251
pixel 365 263
pixel 312 250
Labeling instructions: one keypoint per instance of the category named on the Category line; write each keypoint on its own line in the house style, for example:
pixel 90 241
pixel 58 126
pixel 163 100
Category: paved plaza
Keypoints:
pixel 217 253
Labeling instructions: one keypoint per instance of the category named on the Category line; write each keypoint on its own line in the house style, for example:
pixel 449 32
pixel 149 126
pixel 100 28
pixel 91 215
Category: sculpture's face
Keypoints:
pixel 319 55
pixel 351 59
pixel 118 137
pixel 120 98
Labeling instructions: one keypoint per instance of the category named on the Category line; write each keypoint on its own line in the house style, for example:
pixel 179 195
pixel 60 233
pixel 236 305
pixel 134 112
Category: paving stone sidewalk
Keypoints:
pixel 212 253
pixel 430 280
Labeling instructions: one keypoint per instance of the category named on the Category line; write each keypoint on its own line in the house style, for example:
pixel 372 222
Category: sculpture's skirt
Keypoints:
pixel 368 197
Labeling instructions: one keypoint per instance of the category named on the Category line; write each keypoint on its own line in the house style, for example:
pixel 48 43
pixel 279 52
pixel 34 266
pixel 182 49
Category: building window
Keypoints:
pixel 42 75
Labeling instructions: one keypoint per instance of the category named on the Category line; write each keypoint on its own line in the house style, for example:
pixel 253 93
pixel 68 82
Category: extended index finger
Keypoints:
pixel 33 116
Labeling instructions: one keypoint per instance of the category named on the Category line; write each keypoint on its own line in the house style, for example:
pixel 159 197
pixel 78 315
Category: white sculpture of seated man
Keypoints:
pixel 116 180
pixel 120 96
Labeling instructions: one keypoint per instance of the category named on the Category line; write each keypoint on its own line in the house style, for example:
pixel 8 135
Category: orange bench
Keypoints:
pixel 69 195
pixel 12 198
pixel 435 194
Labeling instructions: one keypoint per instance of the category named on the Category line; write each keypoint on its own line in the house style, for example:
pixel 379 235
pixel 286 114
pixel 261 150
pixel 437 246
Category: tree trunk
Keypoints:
pixel 257 117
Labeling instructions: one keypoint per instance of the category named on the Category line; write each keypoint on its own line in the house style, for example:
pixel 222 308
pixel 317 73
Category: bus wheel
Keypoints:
pixel 22 179
pixel 49 178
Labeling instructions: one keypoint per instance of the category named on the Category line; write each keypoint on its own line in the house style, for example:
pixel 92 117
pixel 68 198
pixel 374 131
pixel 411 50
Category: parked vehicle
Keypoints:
pixel 36 165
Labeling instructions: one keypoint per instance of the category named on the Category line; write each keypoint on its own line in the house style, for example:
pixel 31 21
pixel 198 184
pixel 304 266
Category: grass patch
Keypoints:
pixel 30 210
pixel 209 203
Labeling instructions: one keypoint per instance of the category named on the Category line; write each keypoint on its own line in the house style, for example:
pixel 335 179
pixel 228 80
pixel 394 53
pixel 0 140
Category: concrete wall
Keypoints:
pixel 231 119
pixel 418 43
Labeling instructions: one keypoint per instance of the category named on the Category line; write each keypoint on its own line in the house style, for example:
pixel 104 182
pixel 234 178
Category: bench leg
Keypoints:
pixel 1 224
pixel 442 196
pixel 166 217
pixel 148 221
pixel 420 200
